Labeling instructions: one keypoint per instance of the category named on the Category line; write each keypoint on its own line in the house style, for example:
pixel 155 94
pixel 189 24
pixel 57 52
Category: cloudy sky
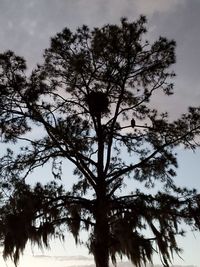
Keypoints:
pixel 26 27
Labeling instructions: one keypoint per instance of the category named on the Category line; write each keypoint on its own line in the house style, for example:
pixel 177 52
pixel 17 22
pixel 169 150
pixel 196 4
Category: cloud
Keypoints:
pixel 149 7
pixel 28 25
pixel 48 261
pixel 182 24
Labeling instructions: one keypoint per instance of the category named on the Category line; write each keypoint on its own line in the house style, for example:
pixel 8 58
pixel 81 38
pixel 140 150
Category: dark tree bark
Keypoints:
pixel 101 233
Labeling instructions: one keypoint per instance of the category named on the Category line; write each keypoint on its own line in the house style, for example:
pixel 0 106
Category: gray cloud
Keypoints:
pixel 161 6
pixel 182 24
pixel 26 25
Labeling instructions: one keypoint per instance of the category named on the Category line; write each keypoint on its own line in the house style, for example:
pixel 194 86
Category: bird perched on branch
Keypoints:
pixel 132 123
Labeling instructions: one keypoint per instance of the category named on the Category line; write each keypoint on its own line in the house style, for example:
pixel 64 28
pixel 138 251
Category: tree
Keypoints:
pixel 91 102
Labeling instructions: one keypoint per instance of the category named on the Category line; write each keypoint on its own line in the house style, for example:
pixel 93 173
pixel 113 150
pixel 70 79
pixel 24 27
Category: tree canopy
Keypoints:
pixel 89 103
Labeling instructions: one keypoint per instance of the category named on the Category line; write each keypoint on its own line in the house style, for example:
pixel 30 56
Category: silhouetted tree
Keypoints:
pixel 89 103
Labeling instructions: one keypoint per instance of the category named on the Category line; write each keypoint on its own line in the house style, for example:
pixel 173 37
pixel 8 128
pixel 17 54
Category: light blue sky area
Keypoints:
pixel 27 25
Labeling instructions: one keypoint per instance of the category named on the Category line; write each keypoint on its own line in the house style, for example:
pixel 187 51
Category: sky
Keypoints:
pixel 26 28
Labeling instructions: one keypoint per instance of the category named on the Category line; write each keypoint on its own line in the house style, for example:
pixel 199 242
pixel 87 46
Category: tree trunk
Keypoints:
pixel 101 229
pixel 101 234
